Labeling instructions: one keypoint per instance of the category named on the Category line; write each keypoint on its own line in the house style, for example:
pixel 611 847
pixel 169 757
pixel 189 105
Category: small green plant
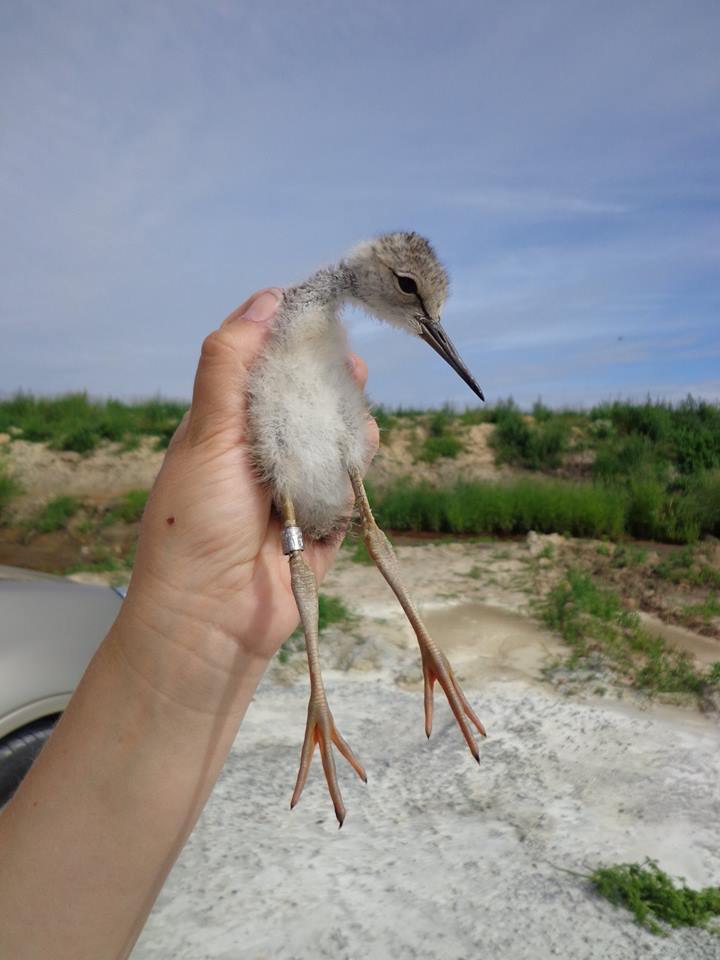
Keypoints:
pixel 447 446
pixel 54 515
pixel 706 611
pixel 686 566
pixel 330 610
pixel 537 446
pixel 360 554
pixel 594 622
pixel 129 509
pixel 440 441
pixel 9 489
pixel 475 572
pixel 625 555
pixel 654 898
pixel 101 561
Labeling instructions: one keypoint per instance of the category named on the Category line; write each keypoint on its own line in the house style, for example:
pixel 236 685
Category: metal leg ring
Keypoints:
pixel 292 540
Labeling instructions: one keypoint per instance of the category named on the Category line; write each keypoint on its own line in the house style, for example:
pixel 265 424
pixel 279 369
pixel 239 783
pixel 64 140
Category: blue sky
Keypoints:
pixel 160 160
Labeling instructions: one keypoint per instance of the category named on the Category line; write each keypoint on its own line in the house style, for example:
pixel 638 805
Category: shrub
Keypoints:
pixel 9 489
pixel 538 447
pixel 54 515
pixel 129 509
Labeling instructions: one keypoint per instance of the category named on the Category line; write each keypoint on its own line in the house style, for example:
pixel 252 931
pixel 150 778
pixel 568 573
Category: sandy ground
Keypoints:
pixel 439 858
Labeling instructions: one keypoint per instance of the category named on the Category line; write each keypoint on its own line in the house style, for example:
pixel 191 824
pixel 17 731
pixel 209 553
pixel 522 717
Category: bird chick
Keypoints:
pixel 307 419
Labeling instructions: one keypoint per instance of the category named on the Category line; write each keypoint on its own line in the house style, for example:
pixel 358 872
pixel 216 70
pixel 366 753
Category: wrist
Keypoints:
pixel 183 653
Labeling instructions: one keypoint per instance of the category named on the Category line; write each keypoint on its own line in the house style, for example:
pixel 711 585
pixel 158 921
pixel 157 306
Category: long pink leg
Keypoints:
pixel 320 727
pixel 434 662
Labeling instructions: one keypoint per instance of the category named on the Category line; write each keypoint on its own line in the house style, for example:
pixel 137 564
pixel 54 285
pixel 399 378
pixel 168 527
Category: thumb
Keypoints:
pixel 225 360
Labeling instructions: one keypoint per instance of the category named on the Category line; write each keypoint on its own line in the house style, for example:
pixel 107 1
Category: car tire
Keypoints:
pixel 18 751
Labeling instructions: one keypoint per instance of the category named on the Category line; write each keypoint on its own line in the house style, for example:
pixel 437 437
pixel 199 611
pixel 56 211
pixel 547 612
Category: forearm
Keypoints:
pixel 102 816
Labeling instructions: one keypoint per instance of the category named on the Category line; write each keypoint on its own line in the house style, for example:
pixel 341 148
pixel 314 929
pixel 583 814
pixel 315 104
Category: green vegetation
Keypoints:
pixel 549 506
pixel 515 507
pixel 594 622
pixel 102 561
pixel 360 554
pixel 53 516
pixel 9 489
pixel 649 470
pixel 129 509
pixel 686 566
pixel 330 610
pixel 651 896
pixel 627 555
pixel 537 446
pixel 706 611
pixel 75 422
pixel 440 441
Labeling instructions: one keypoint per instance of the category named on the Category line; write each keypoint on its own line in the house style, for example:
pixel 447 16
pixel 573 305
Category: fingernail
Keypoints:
pixel 262 309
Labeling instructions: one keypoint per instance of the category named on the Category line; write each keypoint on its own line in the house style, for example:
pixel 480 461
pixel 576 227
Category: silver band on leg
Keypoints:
pixel 292 540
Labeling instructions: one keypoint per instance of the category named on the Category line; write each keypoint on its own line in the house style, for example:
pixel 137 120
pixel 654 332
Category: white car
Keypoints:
pixel 49 630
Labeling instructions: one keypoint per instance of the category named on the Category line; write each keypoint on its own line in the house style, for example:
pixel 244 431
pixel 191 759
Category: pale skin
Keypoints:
pixel 94 829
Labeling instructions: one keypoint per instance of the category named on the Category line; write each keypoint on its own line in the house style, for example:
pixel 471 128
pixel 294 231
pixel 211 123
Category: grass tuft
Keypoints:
pixel 9 489
pixel 654 898
pixel 594 621
pixel 129 509
pixel 330 610
pixel 54 515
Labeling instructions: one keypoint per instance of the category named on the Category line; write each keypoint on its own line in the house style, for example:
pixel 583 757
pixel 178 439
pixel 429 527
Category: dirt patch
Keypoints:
pixel 401 445
pixel 99 476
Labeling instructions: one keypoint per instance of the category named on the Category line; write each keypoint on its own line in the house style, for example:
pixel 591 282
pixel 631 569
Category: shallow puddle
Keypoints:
pixel 483 640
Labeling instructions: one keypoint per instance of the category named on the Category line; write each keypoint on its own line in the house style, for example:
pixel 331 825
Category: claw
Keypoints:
pixel 320 729
pixel 437 668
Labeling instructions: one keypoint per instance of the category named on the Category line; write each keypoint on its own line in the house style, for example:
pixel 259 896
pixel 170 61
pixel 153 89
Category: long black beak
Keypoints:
pixel 432 332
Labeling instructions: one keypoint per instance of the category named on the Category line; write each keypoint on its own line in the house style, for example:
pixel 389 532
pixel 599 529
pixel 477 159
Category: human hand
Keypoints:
pixel 210 574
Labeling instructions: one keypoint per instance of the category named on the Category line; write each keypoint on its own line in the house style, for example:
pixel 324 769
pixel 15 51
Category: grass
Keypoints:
pixel 53 516
pixel 686 566
pixel 75 422
pixel 578 509
pixel 360 554
pixel 706 611
pixel 441 441
pixel 514 507
pixel 655 899
pixel 129 509
pixel 9 489
pixel 536 446
pixel 593 621
pixel 102 561
pixel 330 610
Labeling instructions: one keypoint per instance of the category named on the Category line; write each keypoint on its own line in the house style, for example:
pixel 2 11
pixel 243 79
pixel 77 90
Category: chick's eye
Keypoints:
pixel 407 284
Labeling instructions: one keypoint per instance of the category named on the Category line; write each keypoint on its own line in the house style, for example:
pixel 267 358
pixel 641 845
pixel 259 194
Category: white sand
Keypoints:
pixel 440 858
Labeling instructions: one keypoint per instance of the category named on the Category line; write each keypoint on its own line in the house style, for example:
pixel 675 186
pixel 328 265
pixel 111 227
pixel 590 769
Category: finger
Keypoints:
pixel 227 355
pixel 359 369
